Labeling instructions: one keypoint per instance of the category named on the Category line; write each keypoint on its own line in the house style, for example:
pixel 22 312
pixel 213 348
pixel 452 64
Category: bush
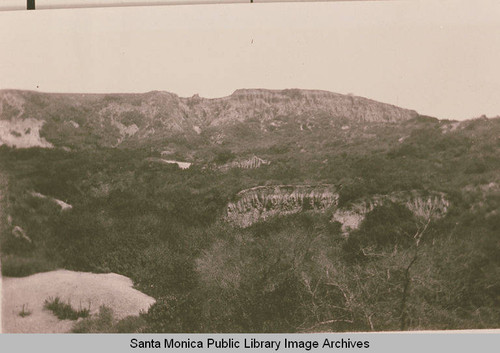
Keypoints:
pixel 64 311
pixel 130 324
pixel 351 192
pixel 15 266
pixel 385 226
pixel 103 322
pixel 223 155
pixel 174 314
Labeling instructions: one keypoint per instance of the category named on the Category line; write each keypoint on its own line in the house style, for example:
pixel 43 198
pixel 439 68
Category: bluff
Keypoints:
pixel 263 202
pixel 73 120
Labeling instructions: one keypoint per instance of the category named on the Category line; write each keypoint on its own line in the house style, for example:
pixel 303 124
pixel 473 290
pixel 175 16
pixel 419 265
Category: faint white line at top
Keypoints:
pixel 11 5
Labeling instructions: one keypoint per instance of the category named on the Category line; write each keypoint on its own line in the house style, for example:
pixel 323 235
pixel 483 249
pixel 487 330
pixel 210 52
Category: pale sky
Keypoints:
pixel 441 58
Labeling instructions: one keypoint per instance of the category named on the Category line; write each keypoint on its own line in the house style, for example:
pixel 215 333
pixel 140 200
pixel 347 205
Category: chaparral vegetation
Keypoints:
pixel 300 211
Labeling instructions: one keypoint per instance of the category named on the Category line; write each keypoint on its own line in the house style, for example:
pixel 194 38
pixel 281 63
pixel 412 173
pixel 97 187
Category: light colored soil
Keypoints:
pixel 79 288
pixel 22 133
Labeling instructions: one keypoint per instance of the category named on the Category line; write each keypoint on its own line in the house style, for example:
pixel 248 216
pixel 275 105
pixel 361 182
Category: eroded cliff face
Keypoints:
pixel 261 203
pixel 113 119
pixel 424 206
pixel 249 163
pixel 264 104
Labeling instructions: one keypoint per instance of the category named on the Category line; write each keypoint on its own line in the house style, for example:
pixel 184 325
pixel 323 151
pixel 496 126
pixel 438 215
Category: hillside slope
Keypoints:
pixel 76 120
pixel 264 211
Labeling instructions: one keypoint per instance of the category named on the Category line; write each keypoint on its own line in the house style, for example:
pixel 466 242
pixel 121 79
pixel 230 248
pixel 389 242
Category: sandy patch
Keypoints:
pixel 80 288
pixel 182 165
pixel 22 133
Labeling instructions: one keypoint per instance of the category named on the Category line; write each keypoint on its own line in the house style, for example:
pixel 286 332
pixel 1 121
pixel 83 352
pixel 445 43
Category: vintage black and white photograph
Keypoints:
pixel 251 168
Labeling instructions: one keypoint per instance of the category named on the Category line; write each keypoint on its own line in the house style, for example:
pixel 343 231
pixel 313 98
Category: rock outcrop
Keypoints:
pixel 265 104
pixel 262 202
pixel 429 206
pixel 181 165
pixel 250 163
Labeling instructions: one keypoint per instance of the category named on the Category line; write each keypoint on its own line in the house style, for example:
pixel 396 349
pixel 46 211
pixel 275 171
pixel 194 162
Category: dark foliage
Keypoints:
pixel 64 311
pixel 162 226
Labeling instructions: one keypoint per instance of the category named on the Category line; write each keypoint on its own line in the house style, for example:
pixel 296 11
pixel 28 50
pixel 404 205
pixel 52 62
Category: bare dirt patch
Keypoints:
pixel 80 289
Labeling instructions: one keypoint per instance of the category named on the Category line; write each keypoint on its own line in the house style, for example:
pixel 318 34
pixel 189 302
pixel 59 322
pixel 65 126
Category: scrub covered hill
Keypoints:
pixel 78 120
pixel 358 215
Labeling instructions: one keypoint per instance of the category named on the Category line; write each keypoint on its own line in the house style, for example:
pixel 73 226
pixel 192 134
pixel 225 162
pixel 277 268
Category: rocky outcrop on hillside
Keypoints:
pixel 113 119
pixel 262 202
pixel 429 206
pixel 181 165
pixel 249 163
pixel 264 104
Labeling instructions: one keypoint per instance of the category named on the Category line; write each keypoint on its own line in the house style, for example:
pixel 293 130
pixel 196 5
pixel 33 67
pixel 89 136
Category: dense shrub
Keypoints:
pixel 17 266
